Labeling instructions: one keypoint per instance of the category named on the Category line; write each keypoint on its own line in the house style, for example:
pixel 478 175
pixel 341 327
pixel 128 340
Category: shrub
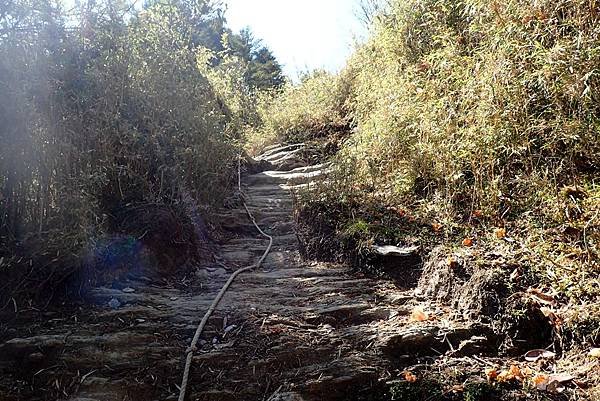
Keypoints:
pixel 477 105
pixel 310 109
pixel 109 113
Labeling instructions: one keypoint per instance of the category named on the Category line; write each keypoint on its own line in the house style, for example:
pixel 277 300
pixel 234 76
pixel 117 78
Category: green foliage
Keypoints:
pixel 466 104
pixel 460 106
pixel 262 70
pixel 463 106
pixel 490 106
pixel 477 104
pixel 480 391
pixel 313 108
pixel 357 227
pixel 203 25
pixel 109 109
pixel 425 390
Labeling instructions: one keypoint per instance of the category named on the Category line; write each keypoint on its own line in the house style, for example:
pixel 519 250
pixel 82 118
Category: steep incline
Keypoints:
pixel 292 330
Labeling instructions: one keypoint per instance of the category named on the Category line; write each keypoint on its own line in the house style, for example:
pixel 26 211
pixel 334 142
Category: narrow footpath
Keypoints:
pixel 291 330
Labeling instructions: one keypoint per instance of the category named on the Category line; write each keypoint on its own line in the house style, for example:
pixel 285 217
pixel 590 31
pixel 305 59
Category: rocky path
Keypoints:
pixel 291 330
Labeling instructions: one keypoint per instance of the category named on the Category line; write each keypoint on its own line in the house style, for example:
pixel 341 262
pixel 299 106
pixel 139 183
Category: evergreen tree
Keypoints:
pixel 264 71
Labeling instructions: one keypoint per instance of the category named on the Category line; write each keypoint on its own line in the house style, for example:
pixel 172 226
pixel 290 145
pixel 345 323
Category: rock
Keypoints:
pixel 342 311
pixel 114 303
pixel 390 250
pixel 92 381
pixel 30 353
pixel 36 357
pixel 473 346
pixel 433 340
pixel 218 395
pixel 32 345
pixel 287 397
pixel 413 341
pixel 342 383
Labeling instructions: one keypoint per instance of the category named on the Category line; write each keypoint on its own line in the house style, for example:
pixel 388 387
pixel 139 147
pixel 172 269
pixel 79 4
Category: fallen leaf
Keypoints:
pixel 516 372
pixel 467 242
pixel 535 354
pixel 424 66
pixel 551 383
pixel 513 373
pixel 541 381
pixel 491 373
pixel 500 233
pixel 594 353
pixel 504 376
pixel 410 377
pixel 418 315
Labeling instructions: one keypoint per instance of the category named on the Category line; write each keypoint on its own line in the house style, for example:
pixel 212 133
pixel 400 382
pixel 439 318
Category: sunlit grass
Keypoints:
pixel 470 115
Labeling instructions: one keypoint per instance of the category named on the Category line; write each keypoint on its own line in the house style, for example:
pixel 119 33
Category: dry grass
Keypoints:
pixel 472 116
pixel 300 112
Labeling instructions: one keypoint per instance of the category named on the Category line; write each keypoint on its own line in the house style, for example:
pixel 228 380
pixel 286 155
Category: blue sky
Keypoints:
pixel 303 34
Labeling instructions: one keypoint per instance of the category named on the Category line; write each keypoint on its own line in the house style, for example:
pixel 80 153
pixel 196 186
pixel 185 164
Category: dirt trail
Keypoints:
pixel 292 330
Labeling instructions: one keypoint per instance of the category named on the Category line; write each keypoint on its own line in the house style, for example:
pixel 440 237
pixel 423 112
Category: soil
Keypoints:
pixel 292 330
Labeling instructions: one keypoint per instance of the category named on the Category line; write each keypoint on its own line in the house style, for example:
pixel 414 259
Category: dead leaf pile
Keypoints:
pixel 553 383
pixel 514 373
pixel 436 227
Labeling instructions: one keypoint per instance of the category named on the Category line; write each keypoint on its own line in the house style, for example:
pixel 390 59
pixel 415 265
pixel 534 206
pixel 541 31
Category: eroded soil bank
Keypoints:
pixel 295 329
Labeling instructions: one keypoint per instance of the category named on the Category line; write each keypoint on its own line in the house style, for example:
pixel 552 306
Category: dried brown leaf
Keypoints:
pixel 491 373
pixel 410 377
pixel 418 315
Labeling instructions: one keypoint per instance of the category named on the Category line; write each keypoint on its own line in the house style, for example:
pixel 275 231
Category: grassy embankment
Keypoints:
pixel 471 127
